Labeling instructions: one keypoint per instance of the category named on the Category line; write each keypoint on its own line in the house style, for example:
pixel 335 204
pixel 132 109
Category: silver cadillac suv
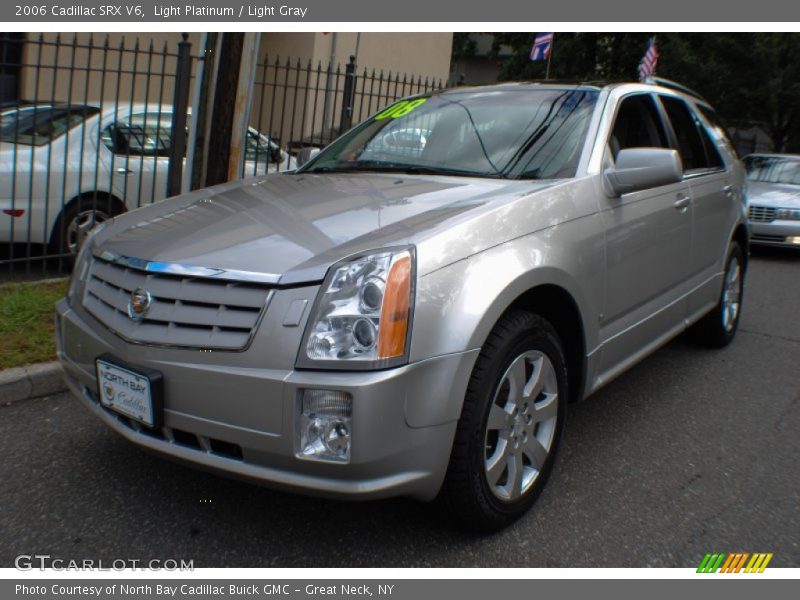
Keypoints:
pixel 413 317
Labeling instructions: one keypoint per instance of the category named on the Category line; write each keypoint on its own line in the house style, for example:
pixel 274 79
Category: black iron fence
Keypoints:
pixel 92 127
pixel 303 105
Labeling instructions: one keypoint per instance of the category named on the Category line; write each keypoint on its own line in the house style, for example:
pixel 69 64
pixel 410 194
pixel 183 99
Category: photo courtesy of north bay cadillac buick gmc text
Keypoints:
pixel 413 309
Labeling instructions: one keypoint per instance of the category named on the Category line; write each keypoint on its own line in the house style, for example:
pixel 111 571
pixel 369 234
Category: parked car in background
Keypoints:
pixel 401 320
pixel 64 168
pixel 773 199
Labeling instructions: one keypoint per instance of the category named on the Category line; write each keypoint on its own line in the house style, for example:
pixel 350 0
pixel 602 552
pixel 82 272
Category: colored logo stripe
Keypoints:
pixel 734 563
pixel 758 563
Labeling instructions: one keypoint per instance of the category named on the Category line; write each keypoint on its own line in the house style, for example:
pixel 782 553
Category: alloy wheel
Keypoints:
pixel 521 425
pixel 731 297
pixel 79 227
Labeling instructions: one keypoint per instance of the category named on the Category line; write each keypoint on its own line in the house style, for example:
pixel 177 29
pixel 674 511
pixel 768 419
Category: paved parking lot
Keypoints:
pixel 692 451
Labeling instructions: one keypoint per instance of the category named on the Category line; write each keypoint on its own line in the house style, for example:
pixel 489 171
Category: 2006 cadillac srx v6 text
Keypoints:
pixel 411 311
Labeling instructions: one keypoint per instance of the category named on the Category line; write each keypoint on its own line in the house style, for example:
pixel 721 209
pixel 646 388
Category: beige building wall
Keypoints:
pixel 293 103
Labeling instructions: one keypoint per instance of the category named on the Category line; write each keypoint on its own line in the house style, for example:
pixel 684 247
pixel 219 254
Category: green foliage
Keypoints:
pixel 26 322
pixel 463 46
pixel 751 78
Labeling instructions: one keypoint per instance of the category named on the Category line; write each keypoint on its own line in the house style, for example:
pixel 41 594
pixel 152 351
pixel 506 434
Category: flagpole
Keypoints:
pixel 549 56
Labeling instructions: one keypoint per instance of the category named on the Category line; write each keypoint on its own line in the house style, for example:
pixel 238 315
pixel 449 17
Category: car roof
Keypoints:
pixel 773 155
pixel 24 104
pixel 580 84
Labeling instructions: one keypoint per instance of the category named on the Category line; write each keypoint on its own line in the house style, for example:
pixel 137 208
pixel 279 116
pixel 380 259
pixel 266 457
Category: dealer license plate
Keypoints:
pixel 126 392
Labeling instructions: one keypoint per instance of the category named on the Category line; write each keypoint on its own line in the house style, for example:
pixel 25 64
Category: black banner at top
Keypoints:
pixel 338 11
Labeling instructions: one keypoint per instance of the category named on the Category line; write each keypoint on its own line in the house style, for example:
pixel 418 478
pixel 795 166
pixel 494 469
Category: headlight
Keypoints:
pixel 362 316
pixel 788 214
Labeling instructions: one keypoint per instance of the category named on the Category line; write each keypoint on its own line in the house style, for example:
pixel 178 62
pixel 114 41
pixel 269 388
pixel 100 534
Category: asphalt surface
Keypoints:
pixel 692 451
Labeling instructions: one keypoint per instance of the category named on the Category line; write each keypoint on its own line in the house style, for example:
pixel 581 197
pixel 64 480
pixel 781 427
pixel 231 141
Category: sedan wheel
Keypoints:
pixel 78 228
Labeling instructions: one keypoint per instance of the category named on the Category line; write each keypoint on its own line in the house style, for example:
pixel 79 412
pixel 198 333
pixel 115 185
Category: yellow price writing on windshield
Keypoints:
pixel 401 109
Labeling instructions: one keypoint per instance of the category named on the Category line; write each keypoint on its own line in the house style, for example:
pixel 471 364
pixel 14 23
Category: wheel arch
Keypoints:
pixel 556 305
pixel 741 235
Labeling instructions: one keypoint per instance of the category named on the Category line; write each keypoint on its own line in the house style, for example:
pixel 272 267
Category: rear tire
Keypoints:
pixel 510 425
pixel 718 328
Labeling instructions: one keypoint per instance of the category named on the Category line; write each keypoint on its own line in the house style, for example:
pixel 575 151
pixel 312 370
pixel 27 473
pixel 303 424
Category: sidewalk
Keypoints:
pixel 31 381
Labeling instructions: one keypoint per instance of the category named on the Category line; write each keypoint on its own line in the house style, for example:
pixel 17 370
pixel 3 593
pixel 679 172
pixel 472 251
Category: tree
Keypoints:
pixel 750 78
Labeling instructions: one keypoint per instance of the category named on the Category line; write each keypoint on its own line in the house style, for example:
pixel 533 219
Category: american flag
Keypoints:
pixel 647 66
pixel 542 46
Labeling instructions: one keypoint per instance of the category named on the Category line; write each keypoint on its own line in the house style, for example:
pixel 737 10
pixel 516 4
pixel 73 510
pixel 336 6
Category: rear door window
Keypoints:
pixel 694 144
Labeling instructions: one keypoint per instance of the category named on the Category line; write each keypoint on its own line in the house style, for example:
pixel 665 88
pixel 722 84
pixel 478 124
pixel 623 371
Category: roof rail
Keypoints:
pixel 667 83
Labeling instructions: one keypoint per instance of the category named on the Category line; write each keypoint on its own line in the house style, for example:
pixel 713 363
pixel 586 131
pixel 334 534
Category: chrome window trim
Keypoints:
pixel 184 270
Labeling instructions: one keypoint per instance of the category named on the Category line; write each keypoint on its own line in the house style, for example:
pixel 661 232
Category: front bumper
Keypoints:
pixel 785 234
pixel 223 414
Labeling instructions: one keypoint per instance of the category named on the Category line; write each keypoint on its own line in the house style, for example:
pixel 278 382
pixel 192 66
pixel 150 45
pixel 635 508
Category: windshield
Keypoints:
pixel 525 133
pixel 773 169
pixel 37 125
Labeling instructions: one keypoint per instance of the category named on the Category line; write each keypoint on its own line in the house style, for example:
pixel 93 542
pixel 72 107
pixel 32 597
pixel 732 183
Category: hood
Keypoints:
pixel 294 226
pixel 777 195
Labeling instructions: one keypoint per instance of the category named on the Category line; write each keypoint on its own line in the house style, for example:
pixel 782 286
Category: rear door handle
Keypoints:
pixel 682 203
pixel 124 171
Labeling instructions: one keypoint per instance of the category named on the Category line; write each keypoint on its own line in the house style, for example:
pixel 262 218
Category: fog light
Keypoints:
pixel 324 425
pixel 793 239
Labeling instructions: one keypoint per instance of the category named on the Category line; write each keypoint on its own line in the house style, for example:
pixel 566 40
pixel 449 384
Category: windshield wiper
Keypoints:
pixel 342 169
pixel 384 167
pixel 423 170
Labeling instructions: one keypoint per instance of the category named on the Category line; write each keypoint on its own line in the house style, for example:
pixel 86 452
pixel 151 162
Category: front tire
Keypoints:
pixel 510 425
pixel 718 328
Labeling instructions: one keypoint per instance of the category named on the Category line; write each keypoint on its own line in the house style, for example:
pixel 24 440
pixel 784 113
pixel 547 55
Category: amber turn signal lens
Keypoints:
pixel 395 309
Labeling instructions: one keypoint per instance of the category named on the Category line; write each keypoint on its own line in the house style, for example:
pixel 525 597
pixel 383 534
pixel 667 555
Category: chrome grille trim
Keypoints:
pixel 761 214
pixel 186 270
pixel 187 311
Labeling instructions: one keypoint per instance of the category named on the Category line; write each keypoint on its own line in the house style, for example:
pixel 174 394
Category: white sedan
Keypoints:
pixel 64 168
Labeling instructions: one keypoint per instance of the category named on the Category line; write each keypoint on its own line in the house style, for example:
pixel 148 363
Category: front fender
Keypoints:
pixel 457 306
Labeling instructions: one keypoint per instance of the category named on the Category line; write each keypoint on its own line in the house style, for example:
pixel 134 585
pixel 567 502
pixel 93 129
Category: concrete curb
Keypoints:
pixel 31 381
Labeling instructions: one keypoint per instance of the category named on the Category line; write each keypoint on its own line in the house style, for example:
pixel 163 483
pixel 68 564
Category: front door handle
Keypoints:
pixel 682 203
pixel 728 190
pixel 124 171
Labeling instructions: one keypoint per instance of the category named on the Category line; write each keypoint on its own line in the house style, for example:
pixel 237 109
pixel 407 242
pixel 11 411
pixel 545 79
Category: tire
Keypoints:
pixel 498 431
pixel 77 218
pixel 718 328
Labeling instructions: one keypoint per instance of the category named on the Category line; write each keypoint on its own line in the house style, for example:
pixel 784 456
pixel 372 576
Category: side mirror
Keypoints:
pixel 641 169
pixel 305 155
pixel 275 154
